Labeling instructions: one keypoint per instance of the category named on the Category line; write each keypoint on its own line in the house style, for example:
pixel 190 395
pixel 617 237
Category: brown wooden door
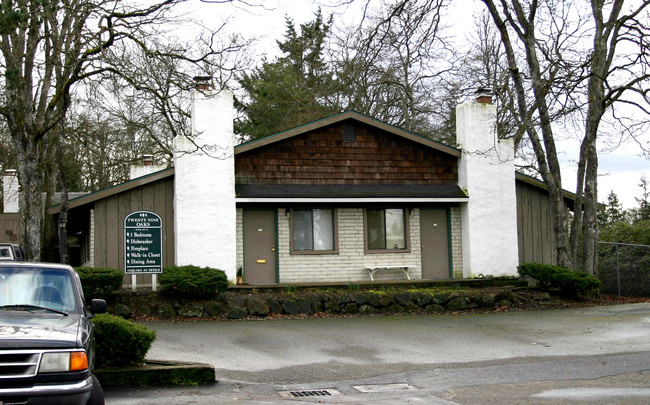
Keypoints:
pixel 434 231
pixel 259 247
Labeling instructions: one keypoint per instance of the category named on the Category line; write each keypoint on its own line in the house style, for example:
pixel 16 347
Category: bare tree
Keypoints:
pixel 149 95
pixel 484 65
pixel 47 48
pixel 393 68
pixel 102 146
pixel 567 71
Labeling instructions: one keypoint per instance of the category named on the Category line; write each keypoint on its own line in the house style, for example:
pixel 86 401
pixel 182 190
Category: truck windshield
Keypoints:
pixel 28 288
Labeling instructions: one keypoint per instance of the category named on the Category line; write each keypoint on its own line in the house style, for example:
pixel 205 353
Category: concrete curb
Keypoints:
pixel 157 373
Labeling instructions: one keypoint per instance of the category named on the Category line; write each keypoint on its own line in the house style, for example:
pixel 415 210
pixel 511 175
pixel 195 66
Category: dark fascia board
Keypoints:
pixel 245 147
pixel 116 189
pixel 330 191
pixel 540 184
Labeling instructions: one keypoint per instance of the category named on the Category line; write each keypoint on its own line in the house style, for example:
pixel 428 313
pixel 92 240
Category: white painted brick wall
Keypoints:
pixel 456 243
pixel 487 171
pixel 240 238
pixel 10 192
pixel 91 241
pixel 350 262
pixel 204 185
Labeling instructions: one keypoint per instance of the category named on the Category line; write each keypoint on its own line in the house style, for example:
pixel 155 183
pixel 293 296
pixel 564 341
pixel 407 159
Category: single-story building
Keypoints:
pixel 347 198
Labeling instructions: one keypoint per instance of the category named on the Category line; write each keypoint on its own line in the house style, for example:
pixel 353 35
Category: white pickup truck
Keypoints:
pixel 11 252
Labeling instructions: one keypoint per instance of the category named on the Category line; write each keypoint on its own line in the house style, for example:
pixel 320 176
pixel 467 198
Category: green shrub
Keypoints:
pixel 192 281
pixel 120 342
pixel 98 282
pixel 574 284
pixel 625 269
pixel 290 289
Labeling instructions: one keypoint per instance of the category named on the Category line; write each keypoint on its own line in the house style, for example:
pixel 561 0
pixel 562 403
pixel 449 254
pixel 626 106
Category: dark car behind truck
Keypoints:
pixel 46 336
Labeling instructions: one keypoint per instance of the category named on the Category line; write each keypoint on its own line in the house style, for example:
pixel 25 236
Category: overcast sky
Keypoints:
pixel 620 170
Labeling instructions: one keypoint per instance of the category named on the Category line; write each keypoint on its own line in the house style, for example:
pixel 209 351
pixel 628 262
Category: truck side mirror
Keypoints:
pixel 98 306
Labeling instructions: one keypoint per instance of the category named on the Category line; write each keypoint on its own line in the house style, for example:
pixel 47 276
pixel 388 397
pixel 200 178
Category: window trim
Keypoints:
pixel 335 233
pixel 407 231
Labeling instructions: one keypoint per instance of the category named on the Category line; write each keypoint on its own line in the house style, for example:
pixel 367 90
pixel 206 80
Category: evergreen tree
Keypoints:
pixel 291 90
pixel 643 212
pixel 614 211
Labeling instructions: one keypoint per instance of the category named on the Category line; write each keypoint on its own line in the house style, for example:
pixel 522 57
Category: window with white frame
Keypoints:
pixel 313 230
pixel 386 229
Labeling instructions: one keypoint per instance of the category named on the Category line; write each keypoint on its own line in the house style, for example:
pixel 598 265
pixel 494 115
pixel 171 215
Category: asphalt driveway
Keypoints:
pixel 294 351
pixel 267 356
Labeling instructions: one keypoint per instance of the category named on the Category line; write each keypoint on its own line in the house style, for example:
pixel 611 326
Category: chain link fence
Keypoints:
pixel 624 269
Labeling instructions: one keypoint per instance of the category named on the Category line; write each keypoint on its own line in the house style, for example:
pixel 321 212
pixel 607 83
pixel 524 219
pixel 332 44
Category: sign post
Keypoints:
pixel 143 245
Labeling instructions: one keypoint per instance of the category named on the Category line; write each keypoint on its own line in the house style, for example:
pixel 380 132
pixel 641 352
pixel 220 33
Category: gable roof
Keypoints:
pixel 293 191
pixel 347 115
pixel 109 191
pixel 569 197
pixel 533 181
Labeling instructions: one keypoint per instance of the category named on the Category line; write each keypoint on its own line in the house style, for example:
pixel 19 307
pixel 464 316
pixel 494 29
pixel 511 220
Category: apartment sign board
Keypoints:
pixel 143 243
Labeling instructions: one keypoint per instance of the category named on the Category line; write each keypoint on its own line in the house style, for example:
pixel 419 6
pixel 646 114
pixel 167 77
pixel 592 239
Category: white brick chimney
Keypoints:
pixel 204 184
pixel 147 167
pixel 487 173
pixel 10 191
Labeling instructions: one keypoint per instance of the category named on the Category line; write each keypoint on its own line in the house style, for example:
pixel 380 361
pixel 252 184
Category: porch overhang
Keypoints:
pixel 350 200
pixel 349 193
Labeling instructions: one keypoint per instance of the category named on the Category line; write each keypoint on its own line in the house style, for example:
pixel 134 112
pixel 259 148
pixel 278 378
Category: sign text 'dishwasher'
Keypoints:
pixel 143 243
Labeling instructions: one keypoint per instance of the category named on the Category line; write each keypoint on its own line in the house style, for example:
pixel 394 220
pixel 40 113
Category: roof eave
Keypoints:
pixel 540 184
pixel 245 147
pixel 118 188
pixel 349 200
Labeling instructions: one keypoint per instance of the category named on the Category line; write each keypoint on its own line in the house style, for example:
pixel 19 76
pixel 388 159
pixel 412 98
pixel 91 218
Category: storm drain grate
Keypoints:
pixel 309 393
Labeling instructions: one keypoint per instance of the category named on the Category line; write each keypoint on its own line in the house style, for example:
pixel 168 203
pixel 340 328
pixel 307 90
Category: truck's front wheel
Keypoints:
pixel 96 395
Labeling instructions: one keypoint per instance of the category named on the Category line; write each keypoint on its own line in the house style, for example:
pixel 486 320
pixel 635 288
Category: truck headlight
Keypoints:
pixel 57 362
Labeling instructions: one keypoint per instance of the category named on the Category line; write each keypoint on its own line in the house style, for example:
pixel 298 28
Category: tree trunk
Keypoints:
pixel 560 227
pixel 600 66
pixel 547 157
pixel 590 220
pixel 31 203
pixel 62 222
pixel 608 74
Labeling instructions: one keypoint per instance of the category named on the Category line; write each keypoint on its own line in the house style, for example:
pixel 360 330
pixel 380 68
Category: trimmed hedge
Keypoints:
pixel 158 373
pixel 193 281
pixel 98 282
pixel 120 342
pixel 573 284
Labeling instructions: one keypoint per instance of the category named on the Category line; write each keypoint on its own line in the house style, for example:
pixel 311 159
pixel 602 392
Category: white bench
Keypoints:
pixel 373 269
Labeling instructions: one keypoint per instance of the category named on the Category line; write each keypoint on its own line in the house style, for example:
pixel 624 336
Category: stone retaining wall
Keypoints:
pixel 231 305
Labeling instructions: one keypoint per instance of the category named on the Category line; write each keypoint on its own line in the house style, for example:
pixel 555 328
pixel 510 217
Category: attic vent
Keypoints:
pixel 348 134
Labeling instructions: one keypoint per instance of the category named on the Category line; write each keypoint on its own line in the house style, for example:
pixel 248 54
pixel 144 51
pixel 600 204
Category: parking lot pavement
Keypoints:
pixel 603 379
pixel 435 359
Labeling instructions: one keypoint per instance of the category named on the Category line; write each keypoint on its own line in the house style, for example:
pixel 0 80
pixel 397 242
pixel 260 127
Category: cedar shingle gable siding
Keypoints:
pixel 322 157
